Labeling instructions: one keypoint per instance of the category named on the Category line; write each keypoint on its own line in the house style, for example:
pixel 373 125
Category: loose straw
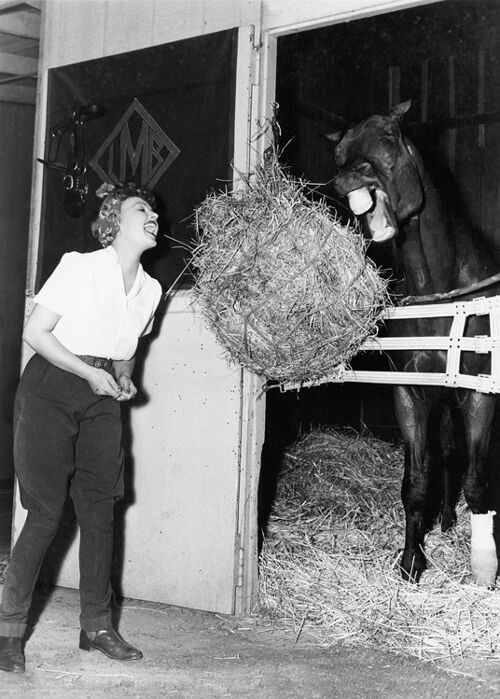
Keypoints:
pixel 329 565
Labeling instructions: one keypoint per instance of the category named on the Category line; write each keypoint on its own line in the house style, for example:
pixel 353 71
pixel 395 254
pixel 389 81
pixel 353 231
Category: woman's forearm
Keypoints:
pixel 49 347
pixel 123 367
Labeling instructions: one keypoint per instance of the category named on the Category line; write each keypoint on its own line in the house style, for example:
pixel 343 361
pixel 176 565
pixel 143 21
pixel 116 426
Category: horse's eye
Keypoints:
pixel 364 168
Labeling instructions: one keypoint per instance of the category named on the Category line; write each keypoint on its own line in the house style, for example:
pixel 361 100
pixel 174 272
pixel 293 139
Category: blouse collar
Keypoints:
pixel 139 277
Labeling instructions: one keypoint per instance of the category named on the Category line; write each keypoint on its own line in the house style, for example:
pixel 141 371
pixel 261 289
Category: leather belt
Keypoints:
pixel 97 362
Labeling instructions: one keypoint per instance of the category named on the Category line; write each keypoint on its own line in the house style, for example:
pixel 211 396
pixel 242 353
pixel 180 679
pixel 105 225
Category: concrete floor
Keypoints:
pixel 199 655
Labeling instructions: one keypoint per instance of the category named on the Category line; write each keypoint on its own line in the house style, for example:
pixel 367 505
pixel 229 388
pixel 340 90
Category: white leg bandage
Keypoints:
pixel 483 552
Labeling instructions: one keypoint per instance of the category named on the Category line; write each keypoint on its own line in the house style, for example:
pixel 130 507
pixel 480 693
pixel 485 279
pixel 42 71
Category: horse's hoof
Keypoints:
pixel 411 568
pixel 448 521
pixel 412 576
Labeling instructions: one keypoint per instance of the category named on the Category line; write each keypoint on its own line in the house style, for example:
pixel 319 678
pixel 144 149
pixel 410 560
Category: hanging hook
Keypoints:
pixel 272 150
pixel 74 179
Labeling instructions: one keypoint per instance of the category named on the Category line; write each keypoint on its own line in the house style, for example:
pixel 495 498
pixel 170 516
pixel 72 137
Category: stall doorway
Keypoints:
pixel 443 56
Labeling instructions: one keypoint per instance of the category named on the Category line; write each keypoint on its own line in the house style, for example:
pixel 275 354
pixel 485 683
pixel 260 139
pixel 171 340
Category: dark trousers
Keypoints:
pixel 65 439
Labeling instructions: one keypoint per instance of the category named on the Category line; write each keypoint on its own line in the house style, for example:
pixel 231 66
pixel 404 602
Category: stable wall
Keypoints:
pixel 106 27
pixel 179 516
pixel 16 149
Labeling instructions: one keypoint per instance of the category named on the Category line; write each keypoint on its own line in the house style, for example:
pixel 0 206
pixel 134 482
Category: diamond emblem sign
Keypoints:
pixel 137 149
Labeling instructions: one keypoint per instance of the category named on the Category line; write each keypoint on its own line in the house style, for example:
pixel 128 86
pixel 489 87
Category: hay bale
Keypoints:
pixel 329 565
pixel 285 287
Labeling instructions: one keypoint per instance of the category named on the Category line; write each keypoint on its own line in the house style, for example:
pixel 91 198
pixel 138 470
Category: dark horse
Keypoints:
pixel 385 180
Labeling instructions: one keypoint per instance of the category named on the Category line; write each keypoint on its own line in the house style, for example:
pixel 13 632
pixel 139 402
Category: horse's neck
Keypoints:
pixel 436 255
pixel 426 247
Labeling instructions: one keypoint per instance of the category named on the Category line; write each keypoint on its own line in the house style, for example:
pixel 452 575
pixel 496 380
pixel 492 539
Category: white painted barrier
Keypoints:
pixel 453 344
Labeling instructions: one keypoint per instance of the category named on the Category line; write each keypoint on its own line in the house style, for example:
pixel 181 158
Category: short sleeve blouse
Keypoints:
pixel 97 317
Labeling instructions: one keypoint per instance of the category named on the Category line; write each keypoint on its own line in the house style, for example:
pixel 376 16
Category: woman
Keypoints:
pixel 84 329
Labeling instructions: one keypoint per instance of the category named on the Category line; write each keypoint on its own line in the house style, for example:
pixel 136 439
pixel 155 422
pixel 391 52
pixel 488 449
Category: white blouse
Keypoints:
pixel 97 317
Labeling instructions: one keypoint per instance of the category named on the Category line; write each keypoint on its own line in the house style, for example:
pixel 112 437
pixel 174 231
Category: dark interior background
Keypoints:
pixel 16 146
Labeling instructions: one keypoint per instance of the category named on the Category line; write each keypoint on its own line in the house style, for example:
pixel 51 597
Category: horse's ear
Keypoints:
pixel 333 137
pixel 399 110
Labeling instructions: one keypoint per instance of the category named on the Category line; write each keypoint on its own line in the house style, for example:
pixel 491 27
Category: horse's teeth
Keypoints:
pixel 360 201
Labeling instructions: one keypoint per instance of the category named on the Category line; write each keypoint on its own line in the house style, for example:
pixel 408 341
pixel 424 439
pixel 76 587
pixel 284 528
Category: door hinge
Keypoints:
pixel 241 567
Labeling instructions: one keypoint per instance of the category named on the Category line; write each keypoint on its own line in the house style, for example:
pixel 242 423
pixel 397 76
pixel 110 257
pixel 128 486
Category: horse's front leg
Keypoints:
pixel 478 409
pixel 412 413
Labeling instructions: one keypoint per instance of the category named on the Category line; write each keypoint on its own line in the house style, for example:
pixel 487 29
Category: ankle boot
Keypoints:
pixel 109 642
pixel 11 654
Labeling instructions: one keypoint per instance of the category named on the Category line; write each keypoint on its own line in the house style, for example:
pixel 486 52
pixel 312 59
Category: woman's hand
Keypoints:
pixel 123 369
pixel 127 388
pixel 103 384
pixel 38 334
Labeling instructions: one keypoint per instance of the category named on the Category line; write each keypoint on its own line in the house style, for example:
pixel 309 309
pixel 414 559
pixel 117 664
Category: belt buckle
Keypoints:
pixel 97 362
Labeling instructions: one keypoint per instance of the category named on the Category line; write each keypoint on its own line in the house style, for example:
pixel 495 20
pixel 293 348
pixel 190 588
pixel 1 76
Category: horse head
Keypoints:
pixel 378 172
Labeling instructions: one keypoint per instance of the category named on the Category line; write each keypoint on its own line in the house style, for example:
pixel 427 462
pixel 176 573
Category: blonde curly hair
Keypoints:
pixel 107 223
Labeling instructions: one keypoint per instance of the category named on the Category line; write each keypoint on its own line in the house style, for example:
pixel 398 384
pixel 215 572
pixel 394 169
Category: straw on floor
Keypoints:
pixel 329 566
pixel 285 287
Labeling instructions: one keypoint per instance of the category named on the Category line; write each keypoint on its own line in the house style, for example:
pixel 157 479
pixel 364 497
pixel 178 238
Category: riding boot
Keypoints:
pixel 109 642
pixel 11 654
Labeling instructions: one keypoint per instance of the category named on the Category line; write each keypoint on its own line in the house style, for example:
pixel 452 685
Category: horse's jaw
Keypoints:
pixel 380 219
pixel 378 214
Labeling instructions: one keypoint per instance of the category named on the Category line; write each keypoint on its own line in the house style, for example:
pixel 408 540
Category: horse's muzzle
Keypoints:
pixel 380 219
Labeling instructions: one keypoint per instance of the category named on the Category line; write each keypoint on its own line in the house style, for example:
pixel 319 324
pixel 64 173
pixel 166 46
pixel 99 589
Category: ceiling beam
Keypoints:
pixel 18 94
pixel 25 24
pixel 9 4
pixel 17 65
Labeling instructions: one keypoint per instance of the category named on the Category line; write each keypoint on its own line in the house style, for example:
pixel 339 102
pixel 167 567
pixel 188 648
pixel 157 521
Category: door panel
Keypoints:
pixel 179 526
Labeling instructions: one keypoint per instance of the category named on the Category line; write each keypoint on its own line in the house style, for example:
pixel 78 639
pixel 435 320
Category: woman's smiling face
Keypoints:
pixel 138 222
